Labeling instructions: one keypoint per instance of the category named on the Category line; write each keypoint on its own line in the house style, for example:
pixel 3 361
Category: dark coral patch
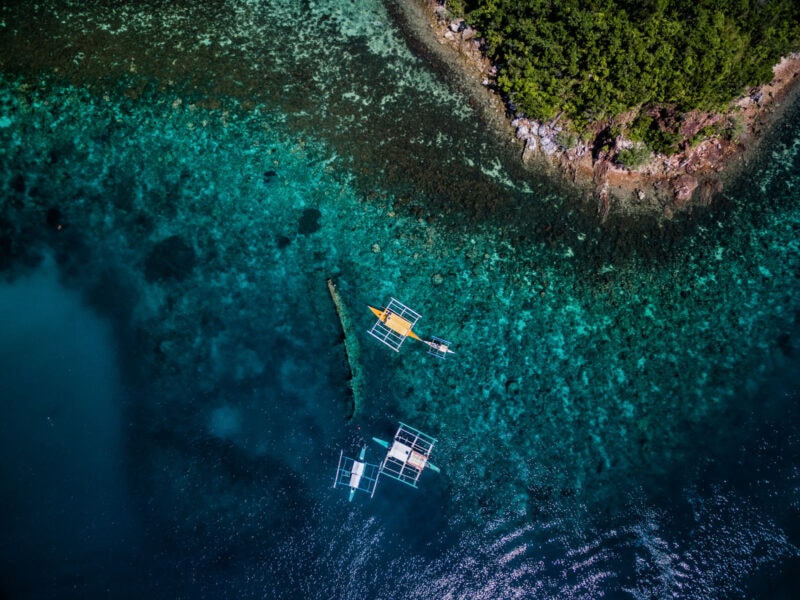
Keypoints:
pixel 309 222
pixel 6 252
pixel 54 218
pixel 19 185
pixel 171 258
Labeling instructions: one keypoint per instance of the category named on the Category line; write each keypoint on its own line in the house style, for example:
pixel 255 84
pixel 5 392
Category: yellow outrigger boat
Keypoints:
pixel 396 322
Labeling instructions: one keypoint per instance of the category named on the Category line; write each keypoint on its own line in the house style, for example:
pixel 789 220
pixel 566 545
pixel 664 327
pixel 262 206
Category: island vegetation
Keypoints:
pixel 632 66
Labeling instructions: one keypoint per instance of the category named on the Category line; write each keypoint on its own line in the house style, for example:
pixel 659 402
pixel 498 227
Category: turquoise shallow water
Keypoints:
pixel 620 417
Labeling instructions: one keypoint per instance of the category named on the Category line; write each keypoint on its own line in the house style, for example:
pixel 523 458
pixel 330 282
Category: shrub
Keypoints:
pixel 734 128
pixel 635 157
pixel 637 129
pixel 567 139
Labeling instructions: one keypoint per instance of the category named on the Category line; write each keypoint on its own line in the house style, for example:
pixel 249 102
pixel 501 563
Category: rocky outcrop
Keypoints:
pixel 538 136
pixel 684 186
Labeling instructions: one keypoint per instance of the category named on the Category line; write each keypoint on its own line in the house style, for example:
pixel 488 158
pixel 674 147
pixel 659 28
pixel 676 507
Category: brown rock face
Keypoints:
pixel 685 185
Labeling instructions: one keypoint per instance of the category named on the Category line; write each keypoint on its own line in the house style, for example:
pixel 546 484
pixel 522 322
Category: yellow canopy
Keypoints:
pixel 395 322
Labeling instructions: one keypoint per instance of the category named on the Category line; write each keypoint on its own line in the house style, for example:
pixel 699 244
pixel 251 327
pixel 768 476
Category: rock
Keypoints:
pixel 512 387
pixel 708 190
pixel 531 148
pixel 54 218
pixel 685 186
pixel 549 145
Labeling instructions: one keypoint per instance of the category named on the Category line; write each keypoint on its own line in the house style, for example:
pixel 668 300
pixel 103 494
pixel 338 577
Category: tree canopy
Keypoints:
pixel 593 59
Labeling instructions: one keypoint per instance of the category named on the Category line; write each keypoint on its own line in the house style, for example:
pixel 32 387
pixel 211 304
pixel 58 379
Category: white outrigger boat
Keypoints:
pixel 358 475
pixel 408 455
pixel 396 322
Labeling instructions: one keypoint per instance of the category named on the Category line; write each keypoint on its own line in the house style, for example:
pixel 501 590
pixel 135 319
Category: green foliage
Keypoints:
pixel 704 134
pixel 456 8
pixel 638 128
pixel 661 140
pixel 734 128
pixel 593 59
pixel 658 134
pixel 567 139
pixel 634 157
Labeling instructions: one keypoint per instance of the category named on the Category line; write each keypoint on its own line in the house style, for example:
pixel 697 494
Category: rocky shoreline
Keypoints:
pixel 663 184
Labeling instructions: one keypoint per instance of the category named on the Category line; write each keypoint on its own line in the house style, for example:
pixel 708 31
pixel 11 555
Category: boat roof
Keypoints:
pixel 394 324
pixel 356 474
pixel 408 455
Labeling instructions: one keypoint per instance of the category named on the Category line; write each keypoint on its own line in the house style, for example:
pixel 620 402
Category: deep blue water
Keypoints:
pixel 178 181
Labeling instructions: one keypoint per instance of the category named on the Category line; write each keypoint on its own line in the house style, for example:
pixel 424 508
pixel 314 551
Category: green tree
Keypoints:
pixel 595 59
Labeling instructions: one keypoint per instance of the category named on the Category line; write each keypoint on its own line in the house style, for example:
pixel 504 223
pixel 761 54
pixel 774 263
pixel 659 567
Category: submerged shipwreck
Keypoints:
pixel 408 455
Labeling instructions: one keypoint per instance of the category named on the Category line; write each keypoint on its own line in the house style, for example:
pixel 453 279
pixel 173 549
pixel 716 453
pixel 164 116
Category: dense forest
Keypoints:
pixel 591 60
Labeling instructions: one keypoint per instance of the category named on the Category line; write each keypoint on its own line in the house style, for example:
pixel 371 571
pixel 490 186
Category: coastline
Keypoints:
pixel 664 184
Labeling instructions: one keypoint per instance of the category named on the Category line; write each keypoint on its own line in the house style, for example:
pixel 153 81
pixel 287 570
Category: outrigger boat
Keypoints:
pixel 408 455
pixel 405 460
pixel 439 347
pixel 358 475
pixel 396 322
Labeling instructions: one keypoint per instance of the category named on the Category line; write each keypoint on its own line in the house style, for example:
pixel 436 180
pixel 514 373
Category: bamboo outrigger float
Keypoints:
pixel 396 322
